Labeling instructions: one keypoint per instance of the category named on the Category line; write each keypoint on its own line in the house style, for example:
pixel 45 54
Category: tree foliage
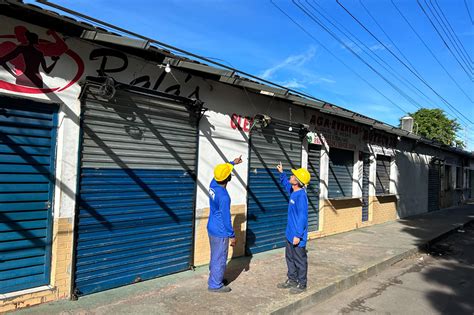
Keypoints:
pixel 434 124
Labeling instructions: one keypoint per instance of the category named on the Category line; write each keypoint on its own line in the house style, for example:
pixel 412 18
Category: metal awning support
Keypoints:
pixel 115 39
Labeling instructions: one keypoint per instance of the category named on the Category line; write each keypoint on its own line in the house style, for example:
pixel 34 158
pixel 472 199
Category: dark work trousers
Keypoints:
pixel 219 251
pixel 297 262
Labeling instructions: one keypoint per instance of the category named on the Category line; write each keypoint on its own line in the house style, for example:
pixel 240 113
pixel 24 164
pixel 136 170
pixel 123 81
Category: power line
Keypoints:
pixel 388 37
pixel 449 36
pixel 317 21
pixel 360 58
pixel 442 39
pixel 355 40
pixel 431 52
pixel 391 52
pixel 453 32
pixel 468 12
pixel 337 58
pixel 396 47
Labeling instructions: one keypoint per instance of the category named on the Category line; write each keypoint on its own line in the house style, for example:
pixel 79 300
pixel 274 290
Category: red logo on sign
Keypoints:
pixel 23 56
pixel 241 123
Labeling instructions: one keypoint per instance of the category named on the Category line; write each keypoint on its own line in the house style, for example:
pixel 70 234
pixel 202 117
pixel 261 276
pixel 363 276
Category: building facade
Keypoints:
pixel 107 150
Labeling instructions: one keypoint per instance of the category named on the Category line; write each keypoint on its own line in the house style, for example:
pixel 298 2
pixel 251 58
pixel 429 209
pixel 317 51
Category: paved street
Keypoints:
pixel 440 281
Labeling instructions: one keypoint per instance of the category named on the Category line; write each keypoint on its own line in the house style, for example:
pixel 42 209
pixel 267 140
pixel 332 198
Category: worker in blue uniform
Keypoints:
pixel 219 226
pixel 296 229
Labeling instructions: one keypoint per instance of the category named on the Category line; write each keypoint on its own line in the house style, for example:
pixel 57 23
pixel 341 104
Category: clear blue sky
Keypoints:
pixel 254 36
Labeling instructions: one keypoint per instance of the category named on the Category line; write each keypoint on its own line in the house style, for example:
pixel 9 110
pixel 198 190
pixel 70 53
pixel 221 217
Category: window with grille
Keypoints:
pixel 341 166
pixel 382 185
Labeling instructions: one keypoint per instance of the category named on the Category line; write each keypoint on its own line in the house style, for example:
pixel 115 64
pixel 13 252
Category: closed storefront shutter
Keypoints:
pixel 341 165
pixel 365 186
pixel 382 185
pixel 434 185
pixel 314 156
pixel 137 189
pixel 27 151
pixel 267 200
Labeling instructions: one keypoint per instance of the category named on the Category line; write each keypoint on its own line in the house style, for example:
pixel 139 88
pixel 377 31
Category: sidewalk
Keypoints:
pixel 335 263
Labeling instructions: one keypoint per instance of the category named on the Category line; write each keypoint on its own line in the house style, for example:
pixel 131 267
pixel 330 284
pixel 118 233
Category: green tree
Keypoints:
pixel 434 124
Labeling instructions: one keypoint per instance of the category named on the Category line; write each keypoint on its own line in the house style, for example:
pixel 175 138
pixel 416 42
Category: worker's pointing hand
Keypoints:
pixel 238 160
pixel 280 168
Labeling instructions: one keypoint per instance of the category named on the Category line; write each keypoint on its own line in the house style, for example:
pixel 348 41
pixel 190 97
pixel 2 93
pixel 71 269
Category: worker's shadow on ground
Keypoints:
pixel 239 262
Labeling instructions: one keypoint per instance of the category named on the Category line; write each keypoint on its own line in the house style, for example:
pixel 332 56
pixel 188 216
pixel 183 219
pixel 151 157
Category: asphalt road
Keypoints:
pixel 440 281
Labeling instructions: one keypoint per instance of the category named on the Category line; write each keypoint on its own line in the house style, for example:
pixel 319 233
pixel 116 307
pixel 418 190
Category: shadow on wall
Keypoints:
pixel 207 130
pixel 238 264
pixel 344 203
pixel 130 114
pixel 387 199
pixel 411 184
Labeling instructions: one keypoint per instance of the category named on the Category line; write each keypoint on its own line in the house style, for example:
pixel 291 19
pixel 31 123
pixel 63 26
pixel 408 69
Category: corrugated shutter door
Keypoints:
pixel 314 156
pixel 341 165
pixel 267 200
pixel 27 147
pixel 365 186
pixel 382 185
pixel 434 185
pixel 137 191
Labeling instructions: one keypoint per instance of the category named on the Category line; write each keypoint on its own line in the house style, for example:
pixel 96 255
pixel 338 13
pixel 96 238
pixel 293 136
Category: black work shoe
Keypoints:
pixel 287 284
pixel 298 289
pixel 222 289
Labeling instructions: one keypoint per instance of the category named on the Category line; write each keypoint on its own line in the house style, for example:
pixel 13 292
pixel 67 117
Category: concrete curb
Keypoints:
pixel 344 284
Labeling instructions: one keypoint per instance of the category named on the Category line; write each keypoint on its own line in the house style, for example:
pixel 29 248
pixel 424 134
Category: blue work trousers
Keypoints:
pixel 219 251
pixel 297 262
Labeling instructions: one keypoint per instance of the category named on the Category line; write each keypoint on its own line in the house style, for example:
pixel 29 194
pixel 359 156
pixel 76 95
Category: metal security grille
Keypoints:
pixel 382 185
pixel 27 154
pixel 314 156
pixel 267 200
pixel 365 186
pixel 137 190
pixel 434 185
pixel 341 165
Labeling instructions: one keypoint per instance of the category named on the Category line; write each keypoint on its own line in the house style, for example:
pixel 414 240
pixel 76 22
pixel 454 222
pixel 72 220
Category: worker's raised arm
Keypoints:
pixel 284 179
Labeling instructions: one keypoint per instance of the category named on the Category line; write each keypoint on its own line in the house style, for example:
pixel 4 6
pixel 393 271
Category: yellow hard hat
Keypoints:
pixel 302 175
pixel 222 171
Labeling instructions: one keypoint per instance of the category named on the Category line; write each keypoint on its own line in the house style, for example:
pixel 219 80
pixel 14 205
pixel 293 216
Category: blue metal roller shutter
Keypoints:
pixel 267 200
pixel 137 190
pixel 27 151
pixel 314 156
pixel 341 165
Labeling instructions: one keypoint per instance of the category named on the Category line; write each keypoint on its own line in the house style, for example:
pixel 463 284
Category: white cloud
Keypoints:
pixel 326 80
pixel 294 72
pixel 291 61
pixel 293 84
